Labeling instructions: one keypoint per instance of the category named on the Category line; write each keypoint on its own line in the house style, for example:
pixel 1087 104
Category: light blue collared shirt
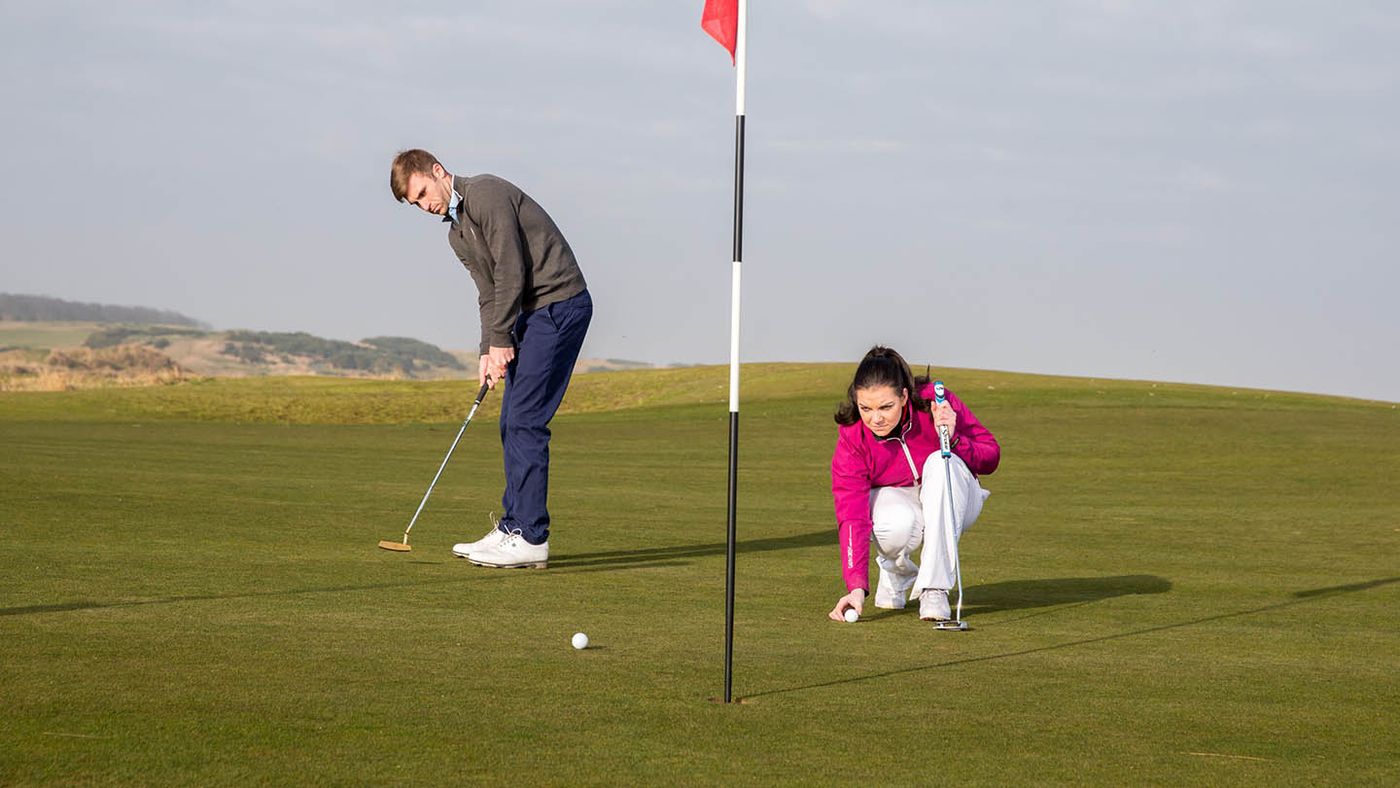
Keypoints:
pixel 452 206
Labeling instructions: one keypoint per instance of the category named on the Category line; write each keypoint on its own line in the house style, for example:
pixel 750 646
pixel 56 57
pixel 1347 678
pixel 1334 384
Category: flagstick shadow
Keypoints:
pixel 1299 598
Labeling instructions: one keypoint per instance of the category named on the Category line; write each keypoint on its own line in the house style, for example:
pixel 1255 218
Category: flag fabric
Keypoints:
pixel 721 20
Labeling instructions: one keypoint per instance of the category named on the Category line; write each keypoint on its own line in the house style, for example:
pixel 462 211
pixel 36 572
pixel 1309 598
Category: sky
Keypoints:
pixel 1189 191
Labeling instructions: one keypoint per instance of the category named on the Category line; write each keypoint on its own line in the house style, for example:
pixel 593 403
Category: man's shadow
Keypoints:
pixel 674 554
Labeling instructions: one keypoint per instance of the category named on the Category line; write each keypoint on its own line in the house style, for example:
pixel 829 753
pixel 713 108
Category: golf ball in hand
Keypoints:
pixel 851 615
pixel 580 641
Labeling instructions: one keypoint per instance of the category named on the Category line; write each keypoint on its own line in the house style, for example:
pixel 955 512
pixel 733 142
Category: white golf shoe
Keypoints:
pixel 888 595
pixel 933 605
pixel 512 552
pixel 464 549
pixel 896 578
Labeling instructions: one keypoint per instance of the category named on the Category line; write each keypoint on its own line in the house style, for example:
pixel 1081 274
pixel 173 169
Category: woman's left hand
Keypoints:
pixel 852 601
pixel 945 416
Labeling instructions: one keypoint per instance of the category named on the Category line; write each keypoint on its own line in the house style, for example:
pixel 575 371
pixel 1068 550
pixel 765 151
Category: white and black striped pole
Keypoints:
pixel 734 349
pixel 727 21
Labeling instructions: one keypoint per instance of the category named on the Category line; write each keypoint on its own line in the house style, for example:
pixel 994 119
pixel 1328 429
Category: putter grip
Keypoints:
pixel 481 395
pixel 939 397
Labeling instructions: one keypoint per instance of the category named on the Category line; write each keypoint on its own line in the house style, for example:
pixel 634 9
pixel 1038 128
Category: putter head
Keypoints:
pixel 951 625
pixel 398 547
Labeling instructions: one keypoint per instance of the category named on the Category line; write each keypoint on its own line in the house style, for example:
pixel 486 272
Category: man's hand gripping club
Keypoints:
pixel 493 366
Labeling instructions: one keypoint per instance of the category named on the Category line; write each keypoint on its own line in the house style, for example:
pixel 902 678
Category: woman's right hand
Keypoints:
pixel 855 599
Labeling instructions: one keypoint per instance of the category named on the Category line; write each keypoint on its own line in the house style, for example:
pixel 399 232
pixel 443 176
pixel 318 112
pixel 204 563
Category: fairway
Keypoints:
pixel 1169 584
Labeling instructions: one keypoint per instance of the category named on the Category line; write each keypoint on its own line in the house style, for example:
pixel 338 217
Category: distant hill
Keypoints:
pixel 376 355
pixel 64 354
pixel 49 343
pixel 31 308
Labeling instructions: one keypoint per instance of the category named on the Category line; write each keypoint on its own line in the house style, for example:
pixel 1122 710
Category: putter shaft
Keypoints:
pixel 480 395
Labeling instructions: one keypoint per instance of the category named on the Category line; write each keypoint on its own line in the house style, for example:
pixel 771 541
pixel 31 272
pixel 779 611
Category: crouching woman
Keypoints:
pixel 889 486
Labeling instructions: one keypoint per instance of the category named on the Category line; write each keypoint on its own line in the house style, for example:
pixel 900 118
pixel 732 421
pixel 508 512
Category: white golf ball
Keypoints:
pixel 851 615
pixel 580 641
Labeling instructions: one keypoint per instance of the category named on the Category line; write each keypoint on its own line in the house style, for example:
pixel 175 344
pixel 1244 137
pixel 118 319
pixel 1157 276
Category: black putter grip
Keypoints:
pixel 481 395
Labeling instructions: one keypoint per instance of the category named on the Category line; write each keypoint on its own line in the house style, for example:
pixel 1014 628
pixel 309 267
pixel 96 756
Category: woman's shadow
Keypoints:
pixel 1059 593
pixel 1025 594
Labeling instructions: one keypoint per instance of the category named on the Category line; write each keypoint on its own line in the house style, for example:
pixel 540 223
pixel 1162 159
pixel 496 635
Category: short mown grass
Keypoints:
pixel 1169 584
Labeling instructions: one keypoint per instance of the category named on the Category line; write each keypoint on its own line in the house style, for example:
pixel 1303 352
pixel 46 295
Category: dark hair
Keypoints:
pixel 414 161
pixel 881 366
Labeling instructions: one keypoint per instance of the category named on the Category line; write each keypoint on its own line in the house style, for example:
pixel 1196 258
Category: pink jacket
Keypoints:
pixel 862 462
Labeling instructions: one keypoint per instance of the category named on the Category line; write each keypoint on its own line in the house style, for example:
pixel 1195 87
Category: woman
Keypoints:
pixel 888 482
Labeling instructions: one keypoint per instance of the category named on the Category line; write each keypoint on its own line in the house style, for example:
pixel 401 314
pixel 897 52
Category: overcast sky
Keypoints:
pixel 1191 190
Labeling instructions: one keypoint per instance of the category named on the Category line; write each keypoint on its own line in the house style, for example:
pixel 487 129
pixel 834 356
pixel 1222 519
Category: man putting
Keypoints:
pixel 535 311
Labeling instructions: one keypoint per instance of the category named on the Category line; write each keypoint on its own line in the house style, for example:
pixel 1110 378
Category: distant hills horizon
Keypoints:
pixel 52 343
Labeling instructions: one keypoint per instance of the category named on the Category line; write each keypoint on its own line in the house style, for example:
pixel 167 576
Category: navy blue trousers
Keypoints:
pixel 547 343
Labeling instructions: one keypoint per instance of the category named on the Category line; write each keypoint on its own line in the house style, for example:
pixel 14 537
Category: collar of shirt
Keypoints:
pixel 453 206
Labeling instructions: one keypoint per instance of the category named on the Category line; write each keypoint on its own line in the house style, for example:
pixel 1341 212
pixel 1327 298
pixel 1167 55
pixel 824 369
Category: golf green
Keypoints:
pixel 1169 584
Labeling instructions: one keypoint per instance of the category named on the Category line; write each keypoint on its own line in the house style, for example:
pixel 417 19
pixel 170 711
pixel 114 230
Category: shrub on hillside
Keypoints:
pixel 133 358
pixel 407 347
pixel 246 352
pixel 384 356
pixel 76 368
pixel 120 335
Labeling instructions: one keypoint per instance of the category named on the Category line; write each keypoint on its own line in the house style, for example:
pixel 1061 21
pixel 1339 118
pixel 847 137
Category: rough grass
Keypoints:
pixel 46 335
pixel 321 400
pixel 88 368
pixel 1170 584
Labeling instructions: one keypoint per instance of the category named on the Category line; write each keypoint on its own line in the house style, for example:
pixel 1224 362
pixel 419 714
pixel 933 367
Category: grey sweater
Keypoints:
pixel 516 255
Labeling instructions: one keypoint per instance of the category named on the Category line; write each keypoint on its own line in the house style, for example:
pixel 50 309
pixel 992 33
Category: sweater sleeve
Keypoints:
pixel 976 446
pixel 850 492
pixel 498 215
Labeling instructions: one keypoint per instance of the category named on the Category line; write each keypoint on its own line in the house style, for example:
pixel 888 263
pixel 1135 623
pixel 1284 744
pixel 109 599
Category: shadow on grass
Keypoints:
pixel 625 558
pixel 167 600
pixel 1346 589
pixel 651 558
pixel 1058 593
pixel 1299 598
pixel 1023 594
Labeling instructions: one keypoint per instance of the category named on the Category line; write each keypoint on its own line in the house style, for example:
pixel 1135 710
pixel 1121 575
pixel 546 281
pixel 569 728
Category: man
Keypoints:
pixel 535 311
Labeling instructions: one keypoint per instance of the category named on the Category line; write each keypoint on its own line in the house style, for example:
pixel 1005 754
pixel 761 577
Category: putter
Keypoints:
pixel 403 547
pixel 955 624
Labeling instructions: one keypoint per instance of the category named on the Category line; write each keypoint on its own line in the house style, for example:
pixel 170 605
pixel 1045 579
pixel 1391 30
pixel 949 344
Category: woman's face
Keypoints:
pixel 880 408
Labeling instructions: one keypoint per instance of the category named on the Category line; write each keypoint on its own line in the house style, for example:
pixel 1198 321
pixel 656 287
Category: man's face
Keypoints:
pixel 432 193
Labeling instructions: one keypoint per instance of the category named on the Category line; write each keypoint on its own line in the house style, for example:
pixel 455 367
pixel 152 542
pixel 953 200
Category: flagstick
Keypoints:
pixel 739 67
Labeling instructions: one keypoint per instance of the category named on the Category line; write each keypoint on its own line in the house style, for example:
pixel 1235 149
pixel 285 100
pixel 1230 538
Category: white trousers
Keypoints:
pixel 904 516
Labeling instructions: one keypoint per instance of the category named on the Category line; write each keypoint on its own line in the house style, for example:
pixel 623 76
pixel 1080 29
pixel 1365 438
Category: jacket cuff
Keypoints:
pixel 963 451
pixel 493 339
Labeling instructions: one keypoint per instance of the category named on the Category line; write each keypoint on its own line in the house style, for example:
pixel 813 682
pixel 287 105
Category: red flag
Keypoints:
pixel 721 20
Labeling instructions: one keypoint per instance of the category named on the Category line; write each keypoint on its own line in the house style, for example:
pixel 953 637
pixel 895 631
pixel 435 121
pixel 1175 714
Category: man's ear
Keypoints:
pixel 438 171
